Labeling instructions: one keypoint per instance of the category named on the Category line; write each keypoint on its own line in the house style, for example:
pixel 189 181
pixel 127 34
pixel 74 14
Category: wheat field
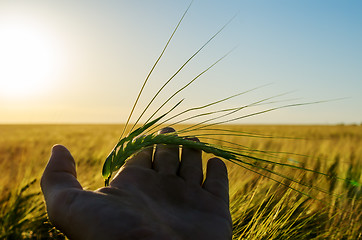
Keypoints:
pixel 261 208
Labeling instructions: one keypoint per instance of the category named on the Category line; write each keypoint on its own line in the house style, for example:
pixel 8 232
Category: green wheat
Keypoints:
pixel 146 137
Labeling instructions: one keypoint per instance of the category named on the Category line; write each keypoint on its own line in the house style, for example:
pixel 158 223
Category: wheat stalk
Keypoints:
pixel 146 137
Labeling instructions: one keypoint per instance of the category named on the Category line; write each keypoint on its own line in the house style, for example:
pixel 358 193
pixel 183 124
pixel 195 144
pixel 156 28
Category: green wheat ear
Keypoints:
pixel 118 156
pixel 145 136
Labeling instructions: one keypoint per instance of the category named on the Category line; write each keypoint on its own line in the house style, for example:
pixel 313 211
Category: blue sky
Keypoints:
pixel 94 55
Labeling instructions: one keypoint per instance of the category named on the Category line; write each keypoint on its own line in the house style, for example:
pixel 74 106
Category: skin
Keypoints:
pixel 161 199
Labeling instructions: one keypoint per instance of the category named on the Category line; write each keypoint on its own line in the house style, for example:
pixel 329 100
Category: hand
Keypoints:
pixel 160 199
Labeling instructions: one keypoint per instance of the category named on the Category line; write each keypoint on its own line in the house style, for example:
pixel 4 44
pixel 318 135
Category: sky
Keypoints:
pixel 85 61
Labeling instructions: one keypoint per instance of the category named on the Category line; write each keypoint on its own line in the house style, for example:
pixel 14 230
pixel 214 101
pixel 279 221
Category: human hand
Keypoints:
pixel 160 199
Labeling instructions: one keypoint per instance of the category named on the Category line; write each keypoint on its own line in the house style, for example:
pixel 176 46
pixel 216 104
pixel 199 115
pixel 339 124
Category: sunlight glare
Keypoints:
pixel 28 60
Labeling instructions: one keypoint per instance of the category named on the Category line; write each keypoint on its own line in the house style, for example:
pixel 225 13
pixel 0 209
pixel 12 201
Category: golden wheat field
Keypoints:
pixel 261 208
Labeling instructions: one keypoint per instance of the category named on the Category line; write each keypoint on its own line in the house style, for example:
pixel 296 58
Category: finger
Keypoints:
pixel 59 183
pixel 166 158
pixel 60 172
pixel 141 159
pixel 216 181
pixel 191 164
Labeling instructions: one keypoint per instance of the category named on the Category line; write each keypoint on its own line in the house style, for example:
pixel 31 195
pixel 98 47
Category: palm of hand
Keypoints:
pixel 161 205
pixel 144 201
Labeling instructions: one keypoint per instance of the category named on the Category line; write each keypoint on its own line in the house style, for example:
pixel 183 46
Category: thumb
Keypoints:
pixel 60 173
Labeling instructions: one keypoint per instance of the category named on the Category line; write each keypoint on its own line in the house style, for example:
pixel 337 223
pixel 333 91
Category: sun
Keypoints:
pixel 28 60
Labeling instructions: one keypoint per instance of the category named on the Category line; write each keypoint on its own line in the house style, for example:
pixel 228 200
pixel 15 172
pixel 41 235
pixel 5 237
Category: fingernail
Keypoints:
pixel 166 130
pixel 195 139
